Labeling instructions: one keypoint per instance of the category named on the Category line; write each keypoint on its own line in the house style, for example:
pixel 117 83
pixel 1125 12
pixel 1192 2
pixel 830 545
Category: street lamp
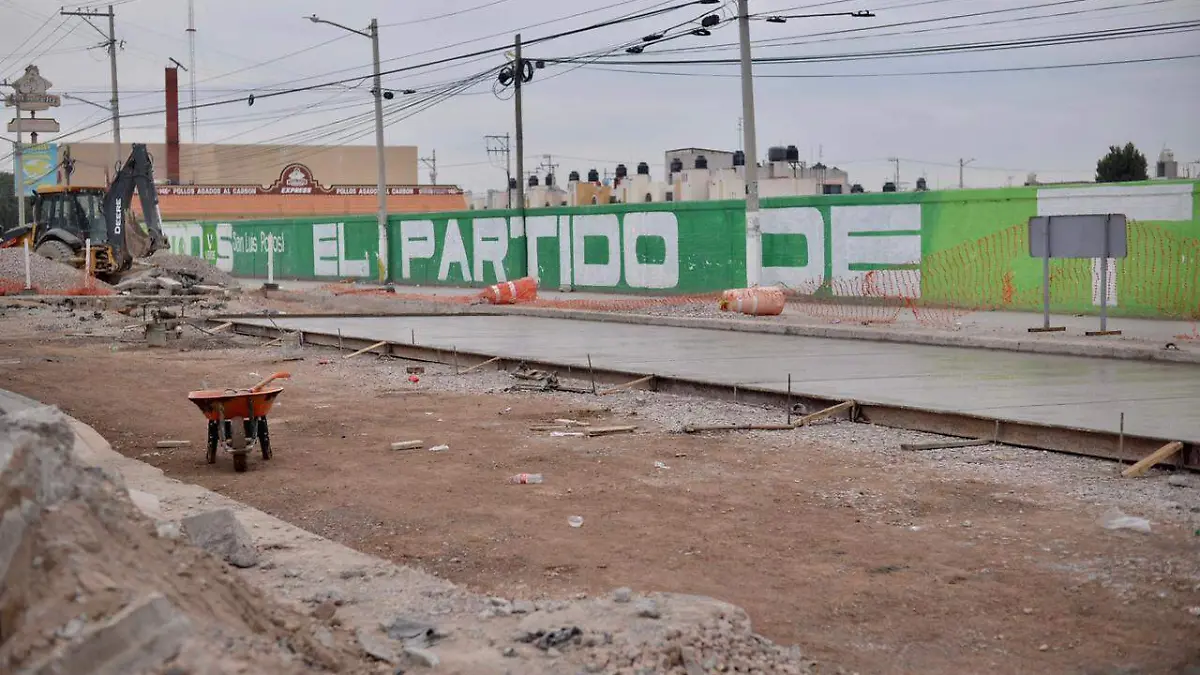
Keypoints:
pixel 372 33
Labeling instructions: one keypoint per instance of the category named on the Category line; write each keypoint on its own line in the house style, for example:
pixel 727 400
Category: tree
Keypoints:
pixel 1121 164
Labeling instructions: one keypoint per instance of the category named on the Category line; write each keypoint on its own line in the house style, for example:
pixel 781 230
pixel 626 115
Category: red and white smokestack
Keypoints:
pixel 172 89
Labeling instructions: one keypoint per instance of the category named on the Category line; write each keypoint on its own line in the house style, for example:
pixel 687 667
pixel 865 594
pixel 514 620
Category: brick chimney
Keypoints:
pixel 172 89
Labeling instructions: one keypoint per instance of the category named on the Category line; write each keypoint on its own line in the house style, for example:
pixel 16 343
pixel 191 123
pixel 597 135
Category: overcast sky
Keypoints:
pixel 1054 122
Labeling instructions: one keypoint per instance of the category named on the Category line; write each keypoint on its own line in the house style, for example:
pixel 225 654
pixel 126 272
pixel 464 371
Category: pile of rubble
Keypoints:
pixel 46 275
pixel 89 585
pixel 170 274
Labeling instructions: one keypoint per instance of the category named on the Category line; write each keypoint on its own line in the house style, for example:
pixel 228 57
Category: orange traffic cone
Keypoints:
pixel 761 301
pixel 511 292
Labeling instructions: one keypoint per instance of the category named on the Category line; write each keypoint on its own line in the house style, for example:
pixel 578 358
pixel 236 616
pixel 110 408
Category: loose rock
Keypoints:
pixel 647 609
pixel 220 533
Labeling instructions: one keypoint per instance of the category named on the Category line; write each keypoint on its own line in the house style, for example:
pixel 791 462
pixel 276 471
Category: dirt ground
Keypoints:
pixel 876 561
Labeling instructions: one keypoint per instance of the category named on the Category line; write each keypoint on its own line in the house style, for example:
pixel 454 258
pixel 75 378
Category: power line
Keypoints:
pixel 795 41
pixel 974 71
pixel 960 47
pixel 452 59
pixel 447 15
pixel 464 42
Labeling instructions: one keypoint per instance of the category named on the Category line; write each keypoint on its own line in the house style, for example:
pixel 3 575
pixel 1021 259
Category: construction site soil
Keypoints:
pixel 979 560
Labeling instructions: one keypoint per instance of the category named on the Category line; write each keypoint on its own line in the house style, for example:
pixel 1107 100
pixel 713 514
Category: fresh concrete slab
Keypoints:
pixel 1158 399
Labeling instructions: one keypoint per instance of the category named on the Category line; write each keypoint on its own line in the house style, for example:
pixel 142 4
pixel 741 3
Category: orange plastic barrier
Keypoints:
pixel 763 301
pixel 511 292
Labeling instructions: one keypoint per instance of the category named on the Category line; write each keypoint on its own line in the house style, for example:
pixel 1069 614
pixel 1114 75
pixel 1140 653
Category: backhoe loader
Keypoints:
pixel 65 217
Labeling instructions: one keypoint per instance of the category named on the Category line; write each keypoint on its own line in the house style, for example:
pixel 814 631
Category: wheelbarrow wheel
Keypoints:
pixel 264 438
pixel 214 438
pixel 240 461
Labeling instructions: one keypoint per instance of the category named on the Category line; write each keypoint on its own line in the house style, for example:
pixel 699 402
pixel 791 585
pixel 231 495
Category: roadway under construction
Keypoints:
pixel 1097 407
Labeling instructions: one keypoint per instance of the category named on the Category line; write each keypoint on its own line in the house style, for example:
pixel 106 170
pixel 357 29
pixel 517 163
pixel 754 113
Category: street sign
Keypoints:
pixel 1091 235
pixel 1081 236
pixel 29 92
pixel 35 125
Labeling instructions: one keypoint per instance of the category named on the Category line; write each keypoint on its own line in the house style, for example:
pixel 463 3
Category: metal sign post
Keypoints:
pixel 1046 327
pixel 1091 236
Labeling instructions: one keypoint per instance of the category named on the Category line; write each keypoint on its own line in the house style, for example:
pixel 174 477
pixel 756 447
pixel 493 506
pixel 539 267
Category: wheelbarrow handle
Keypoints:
pixel 269 380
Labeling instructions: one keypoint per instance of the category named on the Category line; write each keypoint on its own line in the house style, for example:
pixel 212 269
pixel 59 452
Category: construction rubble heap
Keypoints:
pixel 161 274
pixel 89 587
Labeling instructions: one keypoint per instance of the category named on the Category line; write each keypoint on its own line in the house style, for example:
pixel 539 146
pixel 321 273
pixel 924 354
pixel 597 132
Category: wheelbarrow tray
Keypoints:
pixel 233 403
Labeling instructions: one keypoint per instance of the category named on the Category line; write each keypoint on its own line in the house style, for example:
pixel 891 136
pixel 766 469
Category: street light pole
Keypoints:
pixel 753 230
pixel 385 270
pixel 372 33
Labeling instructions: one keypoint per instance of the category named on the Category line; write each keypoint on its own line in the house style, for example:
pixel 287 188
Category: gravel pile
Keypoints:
pixel 721 645
pixel 208 274
pixel 45 273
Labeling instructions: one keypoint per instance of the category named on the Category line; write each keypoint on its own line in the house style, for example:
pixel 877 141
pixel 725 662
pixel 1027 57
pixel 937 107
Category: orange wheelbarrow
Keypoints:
pixel 237 419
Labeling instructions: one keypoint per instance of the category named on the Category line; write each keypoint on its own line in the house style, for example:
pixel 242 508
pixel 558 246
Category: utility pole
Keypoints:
pixel 549 165
pixel 962 163
pixel 114 105
pixel 518 74
pixel 896 181
pixel 431 164
pixel 20 177
pixel 502 146
pixel 753 231
pixel 379 155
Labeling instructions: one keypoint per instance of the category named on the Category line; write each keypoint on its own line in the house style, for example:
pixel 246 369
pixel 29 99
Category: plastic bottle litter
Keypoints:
pixel 575 521
pixel 661 465
pixel 439 448
pixel 526 479
pixel 1115 520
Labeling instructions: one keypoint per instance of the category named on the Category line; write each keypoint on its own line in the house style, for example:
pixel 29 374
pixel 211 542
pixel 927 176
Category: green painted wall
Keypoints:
pixel 965 249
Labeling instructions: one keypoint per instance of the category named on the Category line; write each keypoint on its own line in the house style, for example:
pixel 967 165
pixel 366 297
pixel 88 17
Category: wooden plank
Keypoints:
pixel 627 385
pixel 607 431
pixel 408 445
pixel 477 366
pixel 945 445
pixel 1153 458
pixel 737 427
pixel 218 329
pixel 828 412
pixel 364 350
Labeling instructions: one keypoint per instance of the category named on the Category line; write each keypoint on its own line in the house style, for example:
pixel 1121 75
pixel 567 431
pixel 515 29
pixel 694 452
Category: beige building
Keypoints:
pixel 210 164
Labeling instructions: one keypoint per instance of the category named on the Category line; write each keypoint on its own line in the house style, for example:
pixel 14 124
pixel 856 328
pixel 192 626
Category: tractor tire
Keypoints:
pixel 55 250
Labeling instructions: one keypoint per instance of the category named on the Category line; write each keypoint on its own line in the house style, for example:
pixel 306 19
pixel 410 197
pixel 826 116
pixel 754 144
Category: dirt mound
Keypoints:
pixel 46 274
pixel 176 264
pixel 87 585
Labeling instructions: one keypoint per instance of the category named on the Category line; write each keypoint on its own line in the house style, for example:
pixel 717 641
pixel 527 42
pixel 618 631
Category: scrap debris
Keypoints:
pixel 539 380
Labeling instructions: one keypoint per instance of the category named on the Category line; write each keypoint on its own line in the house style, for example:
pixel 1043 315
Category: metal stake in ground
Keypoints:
pixel 592 374
pixel 789 400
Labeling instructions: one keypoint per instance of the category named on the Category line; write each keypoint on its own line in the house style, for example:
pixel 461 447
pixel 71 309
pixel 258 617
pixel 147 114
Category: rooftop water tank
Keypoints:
pixel 793 153
pixel 777 153
pixel 643 169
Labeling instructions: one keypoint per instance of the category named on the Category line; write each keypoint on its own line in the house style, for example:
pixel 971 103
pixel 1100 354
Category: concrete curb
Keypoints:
pixel 1130 352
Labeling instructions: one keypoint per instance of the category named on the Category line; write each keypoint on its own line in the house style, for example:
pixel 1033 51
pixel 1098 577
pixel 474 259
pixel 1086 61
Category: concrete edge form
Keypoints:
pixel 1090 443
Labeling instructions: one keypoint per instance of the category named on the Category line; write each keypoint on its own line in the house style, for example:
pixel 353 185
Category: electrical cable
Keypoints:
pixel 793 41
pixel 953 48
pixel 974 71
